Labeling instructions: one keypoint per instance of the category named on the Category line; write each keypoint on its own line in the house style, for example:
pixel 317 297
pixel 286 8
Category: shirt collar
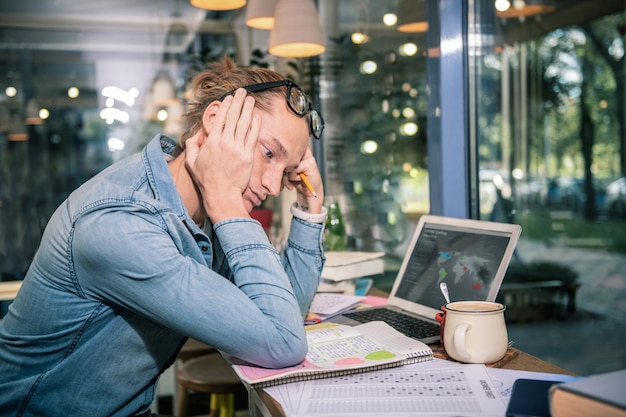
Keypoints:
pixel 155 156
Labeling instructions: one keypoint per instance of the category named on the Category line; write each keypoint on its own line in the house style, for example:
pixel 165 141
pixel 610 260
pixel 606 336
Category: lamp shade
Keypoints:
pixel 17 130
pixel 218 4
pixel 260 14
pixel 5 118
pixel 527 8
pixel 412 16
pixel 149 110
pixel 32 113
pixel 163 90
pixel 174 123
pixel 297 32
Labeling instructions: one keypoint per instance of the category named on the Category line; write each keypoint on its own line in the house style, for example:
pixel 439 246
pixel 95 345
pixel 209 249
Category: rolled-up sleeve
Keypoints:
pixel 147 270
pixel 303 259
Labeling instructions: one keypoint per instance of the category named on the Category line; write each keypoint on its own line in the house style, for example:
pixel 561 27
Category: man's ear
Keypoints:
pixel 209 115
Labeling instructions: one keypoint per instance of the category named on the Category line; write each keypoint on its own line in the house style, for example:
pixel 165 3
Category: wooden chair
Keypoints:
pixel 8 291
pixel 193 348
pixel 212 375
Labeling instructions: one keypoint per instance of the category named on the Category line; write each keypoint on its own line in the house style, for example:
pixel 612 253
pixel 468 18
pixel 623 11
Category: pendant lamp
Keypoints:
pixel 412 16
pixel 260 14
pixel 218 4
pixel 297 32
pixel 163 90
pixel 174 123
pixel 525 8
pixel 17 130
pixel 32 113
pixel 149 109
pixel 5 118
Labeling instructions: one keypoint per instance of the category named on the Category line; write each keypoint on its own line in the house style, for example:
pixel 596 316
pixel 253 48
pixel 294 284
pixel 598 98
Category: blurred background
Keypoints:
pixel 497 110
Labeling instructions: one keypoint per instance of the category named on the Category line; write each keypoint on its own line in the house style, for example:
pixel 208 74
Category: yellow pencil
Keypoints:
pixel 306 182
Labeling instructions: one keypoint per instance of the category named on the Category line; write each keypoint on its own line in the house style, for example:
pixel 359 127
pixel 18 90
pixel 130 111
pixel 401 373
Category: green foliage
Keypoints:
pixel 374 109
pixel 538 225
pixel 258 59
pixel 540 271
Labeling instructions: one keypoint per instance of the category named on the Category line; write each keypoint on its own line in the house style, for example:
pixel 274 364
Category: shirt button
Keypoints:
pixel 204 248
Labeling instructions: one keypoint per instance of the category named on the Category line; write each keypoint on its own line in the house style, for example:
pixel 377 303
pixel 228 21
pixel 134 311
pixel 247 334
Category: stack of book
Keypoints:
pixel 343 269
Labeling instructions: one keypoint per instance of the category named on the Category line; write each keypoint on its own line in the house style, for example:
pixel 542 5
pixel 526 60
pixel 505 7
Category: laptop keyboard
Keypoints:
pixel 410 326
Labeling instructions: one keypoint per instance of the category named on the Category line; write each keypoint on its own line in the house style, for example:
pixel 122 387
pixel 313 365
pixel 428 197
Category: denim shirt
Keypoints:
pixel 123 276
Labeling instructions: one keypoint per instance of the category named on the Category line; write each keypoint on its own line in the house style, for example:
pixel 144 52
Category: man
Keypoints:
pixel 160 247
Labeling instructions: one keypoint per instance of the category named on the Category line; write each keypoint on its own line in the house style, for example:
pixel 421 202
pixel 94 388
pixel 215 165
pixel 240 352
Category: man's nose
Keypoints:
pixel 273 182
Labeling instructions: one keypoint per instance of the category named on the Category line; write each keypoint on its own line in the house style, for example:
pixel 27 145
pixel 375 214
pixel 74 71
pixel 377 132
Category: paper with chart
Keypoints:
pixel 434 388
pixel 503 379
pixel 326 305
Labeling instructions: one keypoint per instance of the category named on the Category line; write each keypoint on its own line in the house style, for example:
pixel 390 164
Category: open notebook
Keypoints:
pixel 336 350
pixel 471 256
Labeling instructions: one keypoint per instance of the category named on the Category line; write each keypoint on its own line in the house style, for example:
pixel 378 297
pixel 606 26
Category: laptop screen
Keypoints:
pixel 468 259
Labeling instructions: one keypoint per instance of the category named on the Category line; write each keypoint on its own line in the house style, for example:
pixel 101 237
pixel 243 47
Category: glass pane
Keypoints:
pixel 377 168
pixel 549 124
pixel 82 86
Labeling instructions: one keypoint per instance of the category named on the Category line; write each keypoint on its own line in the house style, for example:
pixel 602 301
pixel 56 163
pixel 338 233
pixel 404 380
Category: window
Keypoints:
pixel 547 99
pixel 377 163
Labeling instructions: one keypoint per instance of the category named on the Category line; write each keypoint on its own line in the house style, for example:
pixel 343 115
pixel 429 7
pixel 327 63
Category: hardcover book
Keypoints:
pixel 341 266
pixel 599 395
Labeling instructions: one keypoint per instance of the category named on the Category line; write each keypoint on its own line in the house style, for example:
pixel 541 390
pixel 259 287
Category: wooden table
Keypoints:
pixel 263 405
pixel 9 289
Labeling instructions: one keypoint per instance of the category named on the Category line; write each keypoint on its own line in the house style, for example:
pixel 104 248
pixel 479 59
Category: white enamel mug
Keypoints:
pixel 474 331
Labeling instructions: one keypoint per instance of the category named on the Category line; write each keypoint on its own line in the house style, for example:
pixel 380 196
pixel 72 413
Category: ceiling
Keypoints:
pixel 95 41
pixel 566 13
pixel 119 26
pixel 143 27
pixel 136 26
pixel 91 43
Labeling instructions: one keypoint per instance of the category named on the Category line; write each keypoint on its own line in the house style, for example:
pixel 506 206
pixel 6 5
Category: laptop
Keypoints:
pixel 470 256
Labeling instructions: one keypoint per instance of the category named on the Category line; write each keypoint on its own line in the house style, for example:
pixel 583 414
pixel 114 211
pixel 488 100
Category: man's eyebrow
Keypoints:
pixel 283 152
pixel 279 145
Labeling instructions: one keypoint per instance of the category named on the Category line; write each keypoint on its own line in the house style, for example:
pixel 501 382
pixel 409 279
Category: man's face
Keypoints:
pixel 283 140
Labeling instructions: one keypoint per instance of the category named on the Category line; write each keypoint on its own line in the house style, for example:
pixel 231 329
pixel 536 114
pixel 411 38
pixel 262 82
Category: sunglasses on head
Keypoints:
pixel 297 101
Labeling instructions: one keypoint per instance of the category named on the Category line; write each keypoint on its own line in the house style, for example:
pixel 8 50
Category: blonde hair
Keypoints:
pixel 220 78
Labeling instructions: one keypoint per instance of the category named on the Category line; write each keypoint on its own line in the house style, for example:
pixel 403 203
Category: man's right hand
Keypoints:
pixel 220 163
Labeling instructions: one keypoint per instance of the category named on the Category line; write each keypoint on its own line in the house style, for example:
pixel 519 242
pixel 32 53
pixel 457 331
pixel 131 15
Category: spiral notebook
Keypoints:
pixel 336 350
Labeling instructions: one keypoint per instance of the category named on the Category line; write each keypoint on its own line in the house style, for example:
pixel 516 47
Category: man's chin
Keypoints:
pixel 249 206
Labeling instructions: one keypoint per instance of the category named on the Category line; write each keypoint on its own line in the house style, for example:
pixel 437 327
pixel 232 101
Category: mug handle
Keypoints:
pixel 459 339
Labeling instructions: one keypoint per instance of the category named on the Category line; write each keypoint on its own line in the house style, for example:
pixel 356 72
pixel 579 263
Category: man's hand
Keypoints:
pixel 221 163
pixel 306 200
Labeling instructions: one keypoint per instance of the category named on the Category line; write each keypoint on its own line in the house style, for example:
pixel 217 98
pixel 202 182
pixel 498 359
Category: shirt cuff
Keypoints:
pixel 308 217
